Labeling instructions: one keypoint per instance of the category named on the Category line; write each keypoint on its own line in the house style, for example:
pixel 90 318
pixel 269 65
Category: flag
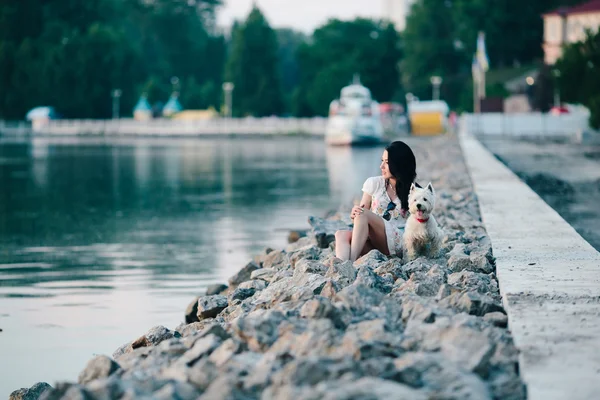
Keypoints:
pixel 482 58
pixel 476 69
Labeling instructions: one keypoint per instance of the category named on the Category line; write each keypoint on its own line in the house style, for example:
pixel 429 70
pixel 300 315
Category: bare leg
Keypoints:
pixel 342 244
pixel 368 226
pixel 368 247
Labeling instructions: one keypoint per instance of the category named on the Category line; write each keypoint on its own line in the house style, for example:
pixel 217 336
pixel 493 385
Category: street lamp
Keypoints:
pixel 175 82
pixel 116 95
pixel 228 88
pixel 556 74
pixel 436 81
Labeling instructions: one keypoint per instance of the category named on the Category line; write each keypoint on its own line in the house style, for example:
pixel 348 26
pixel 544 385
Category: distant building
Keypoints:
pixel 568 25
pixel 397 11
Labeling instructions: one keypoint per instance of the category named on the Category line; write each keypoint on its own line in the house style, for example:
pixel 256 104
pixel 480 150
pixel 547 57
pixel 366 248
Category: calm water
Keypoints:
pixel 102 239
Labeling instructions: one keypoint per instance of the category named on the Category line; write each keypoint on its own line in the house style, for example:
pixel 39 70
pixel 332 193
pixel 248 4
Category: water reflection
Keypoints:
pixel 100 239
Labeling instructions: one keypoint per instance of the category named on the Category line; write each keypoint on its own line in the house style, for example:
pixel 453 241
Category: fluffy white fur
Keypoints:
pixel 422 235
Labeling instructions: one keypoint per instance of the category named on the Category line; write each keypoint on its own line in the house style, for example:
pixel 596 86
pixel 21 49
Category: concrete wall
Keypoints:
pixel 527 124
pixel 166 127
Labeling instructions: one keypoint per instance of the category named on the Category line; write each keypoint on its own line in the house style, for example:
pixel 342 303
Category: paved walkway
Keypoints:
pixel 549 280
pixel 565 175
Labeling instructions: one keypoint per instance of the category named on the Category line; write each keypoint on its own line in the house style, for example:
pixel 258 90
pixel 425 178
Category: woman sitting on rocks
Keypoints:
pixel 380 218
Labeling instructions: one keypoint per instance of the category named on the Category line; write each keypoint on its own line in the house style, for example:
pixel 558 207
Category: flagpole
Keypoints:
pixel 482 61
pixel 475 97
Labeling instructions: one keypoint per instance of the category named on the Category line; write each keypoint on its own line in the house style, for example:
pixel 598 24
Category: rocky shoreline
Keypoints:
pixel 298 323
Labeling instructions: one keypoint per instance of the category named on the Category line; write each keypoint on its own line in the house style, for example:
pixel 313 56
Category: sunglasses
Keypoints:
pixel 390 207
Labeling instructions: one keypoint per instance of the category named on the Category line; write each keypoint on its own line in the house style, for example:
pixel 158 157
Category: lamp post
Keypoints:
pixel 228 88
pixel 175 83
pixel 556 74
pixel 436 81
pixel 116 95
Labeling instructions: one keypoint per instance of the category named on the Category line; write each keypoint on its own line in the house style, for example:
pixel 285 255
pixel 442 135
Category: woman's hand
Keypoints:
pixel 356 211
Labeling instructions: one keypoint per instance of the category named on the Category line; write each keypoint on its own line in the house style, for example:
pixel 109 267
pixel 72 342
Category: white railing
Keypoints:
pixel 524 125
pixel 15 128
pixel 166 127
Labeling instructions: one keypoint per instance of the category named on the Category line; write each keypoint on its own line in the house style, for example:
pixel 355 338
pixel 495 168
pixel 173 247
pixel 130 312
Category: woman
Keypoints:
pixel 381 215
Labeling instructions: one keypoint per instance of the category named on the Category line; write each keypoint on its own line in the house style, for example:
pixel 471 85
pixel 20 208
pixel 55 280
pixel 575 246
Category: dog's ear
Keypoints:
pixel 430 187
pixel 412 187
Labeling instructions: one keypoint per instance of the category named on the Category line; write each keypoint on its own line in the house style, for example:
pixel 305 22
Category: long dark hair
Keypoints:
pixel 403 167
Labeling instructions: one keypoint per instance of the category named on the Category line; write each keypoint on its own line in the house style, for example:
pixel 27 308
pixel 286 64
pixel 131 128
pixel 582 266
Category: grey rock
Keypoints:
pixel 240 294
pixel 98 367
pixel 368 388
pixel 226 351
pixel 32 393
pixel 256 284
pixel 329 290
pixel 359 298
pixel 264 274
pixel 304 266
pixel 306 253
pixel 201 330
pixel 446 290
pixel 419 265
pixel 151 338
pixel 497 319
pixel 224 387
pixel 468 348
pixel 259 329
pixel 243 274
pixel 66 391
pixel 201 347
pixel 342 273
pixel 472 303
pixel 442 378
pixel 479 282
pixel 459 262
pixel 191 311
pixel 372 259
pixel 324 230
pixel 394 267
pixel 366 277
pixel 188 329
pixel 176 390
pixel 312 370
pixel 276 260
pixel 216 288
pixel 424 284
pixel 211 306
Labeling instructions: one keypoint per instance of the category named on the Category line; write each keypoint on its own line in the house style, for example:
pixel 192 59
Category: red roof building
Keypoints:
pixel 568 25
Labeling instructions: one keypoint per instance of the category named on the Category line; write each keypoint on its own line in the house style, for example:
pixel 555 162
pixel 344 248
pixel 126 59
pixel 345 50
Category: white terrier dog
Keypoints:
pixel 422 235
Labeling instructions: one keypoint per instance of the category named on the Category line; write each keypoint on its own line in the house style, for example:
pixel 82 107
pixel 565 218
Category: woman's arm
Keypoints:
pixel 365 202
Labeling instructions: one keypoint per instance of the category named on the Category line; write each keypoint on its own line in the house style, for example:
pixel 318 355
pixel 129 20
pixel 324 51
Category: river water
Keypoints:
pixel 101 239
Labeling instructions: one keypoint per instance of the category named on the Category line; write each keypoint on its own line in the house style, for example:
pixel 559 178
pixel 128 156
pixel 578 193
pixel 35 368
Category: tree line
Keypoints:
pixel 71 55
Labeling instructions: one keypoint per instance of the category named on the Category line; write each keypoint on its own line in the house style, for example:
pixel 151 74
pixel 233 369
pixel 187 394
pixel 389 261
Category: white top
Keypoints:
pixel 375 187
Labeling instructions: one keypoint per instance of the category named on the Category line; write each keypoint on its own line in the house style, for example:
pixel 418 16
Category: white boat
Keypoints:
pixel 354 117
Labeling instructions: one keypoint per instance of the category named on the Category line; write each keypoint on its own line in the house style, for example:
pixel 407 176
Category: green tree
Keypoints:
pixel 252 66
pixel 513 28
pixel 337 51
pixel 579 80
pixel 71 54
pixel 431 48
pixel 289 41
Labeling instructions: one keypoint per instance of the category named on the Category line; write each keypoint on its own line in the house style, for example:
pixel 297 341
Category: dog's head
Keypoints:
pixel 421 201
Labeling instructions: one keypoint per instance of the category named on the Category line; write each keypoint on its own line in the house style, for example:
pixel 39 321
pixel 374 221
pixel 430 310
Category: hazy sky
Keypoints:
pixel 304 15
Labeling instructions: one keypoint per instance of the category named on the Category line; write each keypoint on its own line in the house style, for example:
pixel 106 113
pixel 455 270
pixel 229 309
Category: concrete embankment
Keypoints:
pixel 549 281
pixel 298 323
